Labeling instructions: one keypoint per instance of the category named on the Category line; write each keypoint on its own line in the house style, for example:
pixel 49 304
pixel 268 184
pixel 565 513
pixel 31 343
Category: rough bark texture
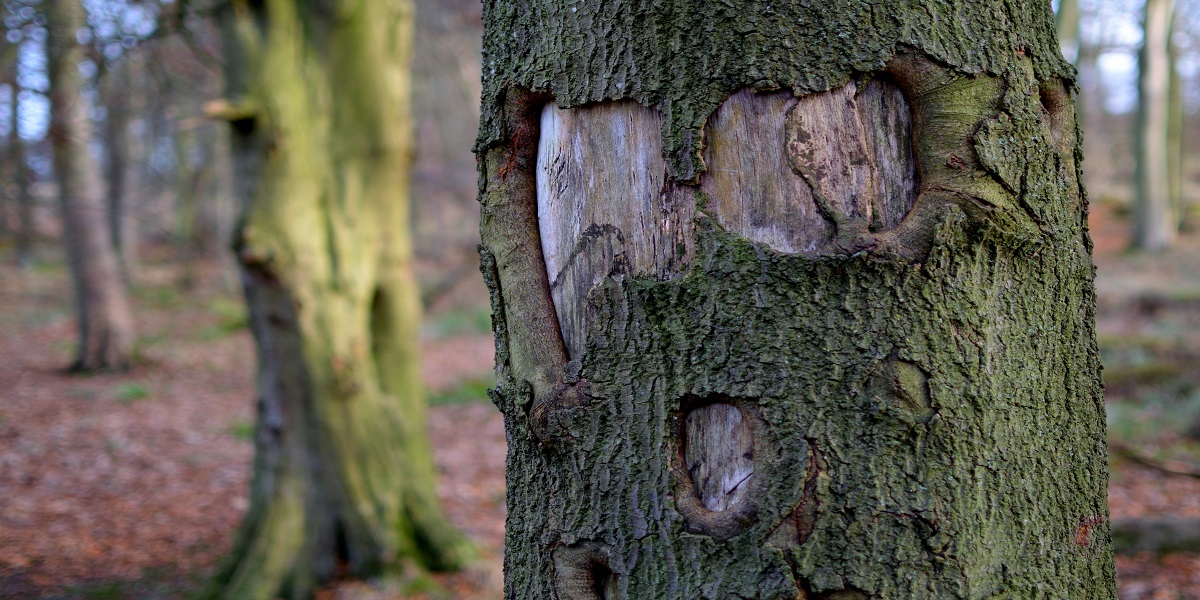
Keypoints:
pixel 789 359
pixel 101 306
pixel 343 479
pixel 1155 223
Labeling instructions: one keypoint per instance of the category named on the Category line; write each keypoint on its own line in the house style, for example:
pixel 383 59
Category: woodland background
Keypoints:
pixel 130 485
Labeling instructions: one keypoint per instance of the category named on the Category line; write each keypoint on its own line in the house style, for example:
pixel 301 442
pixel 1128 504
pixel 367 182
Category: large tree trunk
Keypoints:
pixel 791 302
pixel 102 309
pixel 1156 224
pixel 343 478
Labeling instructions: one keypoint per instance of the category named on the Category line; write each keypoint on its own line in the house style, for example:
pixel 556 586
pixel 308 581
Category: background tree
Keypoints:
pixel 1156 222
pixel 798 306
pixel 102 308
pixel 343 482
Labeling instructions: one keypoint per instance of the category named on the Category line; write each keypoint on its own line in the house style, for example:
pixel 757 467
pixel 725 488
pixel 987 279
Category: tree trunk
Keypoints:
pixel 102 309
pixel 1067 22
pixel 343 478
pixel 791 302
pixel 17 190
pixel 26 226
pixel 1175 128
pixel 121 222
pixel 1155 223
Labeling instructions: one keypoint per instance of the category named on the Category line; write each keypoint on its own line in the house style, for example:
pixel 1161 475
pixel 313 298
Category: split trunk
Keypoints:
pixel 791 301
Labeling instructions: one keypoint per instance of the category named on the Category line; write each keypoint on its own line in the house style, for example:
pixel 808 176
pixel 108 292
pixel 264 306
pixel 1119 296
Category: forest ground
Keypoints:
pixel 131 485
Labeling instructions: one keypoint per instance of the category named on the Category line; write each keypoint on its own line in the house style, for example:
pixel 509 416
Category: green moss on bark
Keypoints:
pixel 686 57
pixel 934 425
pixel 344 481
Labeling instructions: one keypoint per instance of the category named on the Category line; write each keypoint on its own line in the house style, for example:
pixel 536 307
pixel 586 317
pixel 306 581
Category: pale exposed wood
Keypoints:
pixel 605 206
pixel 719 454
pixel 854 140
pixel 751 189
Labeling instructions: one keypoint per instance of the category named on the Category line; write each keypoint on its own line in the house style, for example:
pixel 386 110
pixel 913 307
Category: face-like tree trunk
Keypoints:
pixel 1156 224
pixel 343 479
pixel 791 301
pixel 102 309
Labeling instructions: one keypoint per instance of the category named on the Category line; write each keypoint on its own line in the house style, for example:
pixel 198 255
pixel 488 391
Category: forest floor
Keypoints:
pixel 131 485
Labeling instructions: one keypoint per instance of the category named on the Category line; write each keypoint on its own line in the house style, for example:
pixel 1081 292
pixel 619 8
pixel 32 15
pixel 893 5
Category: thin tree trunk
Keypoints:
pixel 27 227
pixel 1175 129
pixel 187 202
pixel 102 309
pixel 18 191
pixel 343 479
pixel 792 300
pixel 1067 22
pixel 121 221
pixel 1155 223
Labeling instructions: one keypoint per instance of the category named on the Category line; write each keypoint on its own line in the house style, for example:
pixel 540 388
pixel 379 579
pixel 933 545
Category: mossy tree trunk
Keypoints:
pixel 1156 224
pixel 343 478
pixel 791 300
pixel 101 306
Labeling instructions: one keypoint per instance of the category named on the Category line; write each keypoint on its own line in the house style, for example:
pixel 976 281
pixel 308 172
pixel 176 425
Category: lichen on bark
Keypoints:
pixel 929 395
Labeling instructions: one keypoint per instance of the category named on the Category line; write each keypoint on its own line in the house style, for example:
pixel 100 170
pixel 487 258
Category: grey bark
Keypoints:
pixel 101 306
pixel 1156 225
pixel 119 150
pixel 26 226
pixel 791 302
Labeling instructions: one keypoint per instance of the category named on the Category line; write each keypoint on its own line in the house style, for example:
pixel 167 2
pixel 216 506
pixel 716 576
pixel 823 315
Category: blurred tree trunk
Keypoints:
pixel 122 223
pixel 800 306
pixel 343 479
pixel 26 227
pixel 188 233
pixel 102 309
pixel 1067 22
pixel 1175 129
pixel 19 177
pixel 1156 224
pixel 8 166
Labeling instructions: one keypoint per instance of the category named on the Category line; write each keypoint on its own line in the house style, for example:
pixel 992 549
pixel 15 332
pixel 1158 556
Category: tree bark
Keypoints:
pixel 101 306
pixel 121 219
pixel 1175 129
pixel 791 302
pixel 26 226
pixel 343 479
pixel 1156 225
